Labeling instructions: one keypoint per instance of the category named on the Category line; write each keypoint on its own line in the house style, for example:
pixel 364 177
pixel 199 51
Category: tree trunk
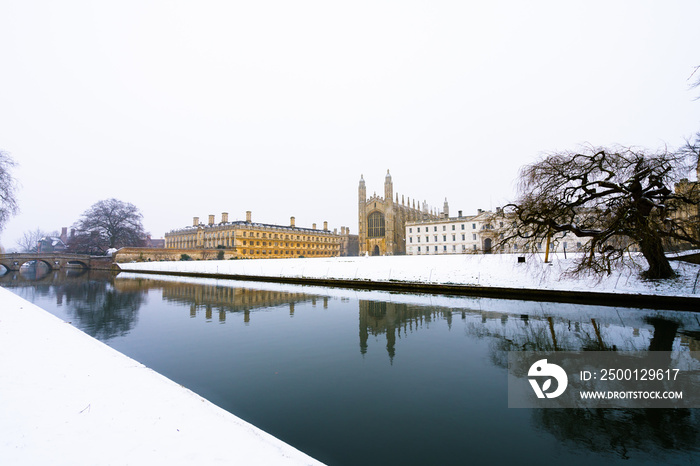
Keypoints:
pixel 653 251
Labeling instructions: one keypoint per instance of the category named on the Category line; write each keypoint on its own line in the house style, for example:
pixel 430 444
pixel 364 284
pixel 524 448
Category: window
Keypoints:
pixel 463 226
pixel 410 240
pixel 436 239
pixel 463 238
pixel 435 228
pixel 444 237
pixel 418 247
pixel 444 248
pixel 376 225
pixel 473 226
pixel 436 249
pixel 418 239
pixel 427 238
pixel 410 230
pixel 443 228
pixel 418 229
pixel 454 238
pixel 474 236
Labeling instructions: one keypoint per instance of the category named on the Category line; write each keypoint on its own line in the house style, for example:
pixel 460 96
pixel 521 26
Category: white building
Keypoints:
pixel 472 234
pixel 452 235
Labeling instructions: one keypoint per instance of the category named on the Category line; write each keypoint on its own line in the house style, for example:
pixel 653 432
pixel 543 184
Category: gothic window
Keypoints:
pixel 376 225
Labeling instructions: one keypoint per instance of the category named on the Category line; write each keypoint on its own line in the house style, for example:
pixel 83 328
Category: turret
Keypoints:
pixel 388 187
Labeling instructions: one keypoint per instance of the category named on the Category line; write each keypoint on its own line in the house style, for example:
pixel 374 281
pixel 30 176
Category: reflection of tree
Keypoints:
pixel 88 297
pixel 101 311
pixel 608 430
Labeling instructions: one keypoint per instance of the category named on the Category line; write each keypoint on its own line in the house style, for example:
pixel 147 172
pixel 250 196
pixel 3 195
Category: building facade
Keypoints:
pixel 453 235
pixel 382 220
pixel 476 234
pixel 246 239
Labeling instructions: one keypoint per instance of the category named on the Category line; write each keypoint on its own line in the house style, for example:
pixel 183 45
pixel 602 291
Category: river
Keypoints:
pixel 377 378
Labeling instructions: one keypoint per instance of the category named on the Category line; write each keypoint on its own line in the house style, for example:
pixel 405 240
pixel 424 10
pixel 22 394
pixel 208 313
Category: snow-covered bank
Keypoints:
pixel 66 398
pixel 496 270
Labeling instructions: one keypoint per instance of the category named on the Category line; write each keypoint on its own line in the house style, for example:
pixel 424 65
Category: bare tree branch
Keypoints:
pixel 616 199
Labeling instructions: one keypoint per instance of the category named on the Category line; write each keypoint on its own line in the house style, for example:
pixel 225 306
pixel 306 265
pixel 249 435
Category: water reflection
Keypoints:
pixel 220 300
pixel 290 368
pixel 89 298
pixel 391 319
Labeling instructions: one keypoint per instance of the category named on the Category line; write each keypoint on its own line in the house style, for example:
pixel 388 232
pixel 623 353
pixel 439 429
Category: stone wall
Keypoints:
pixel 157 254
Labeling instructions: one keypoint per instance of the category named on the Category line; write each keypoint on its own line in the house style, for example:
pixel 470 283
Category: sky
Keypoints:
pixel 187 108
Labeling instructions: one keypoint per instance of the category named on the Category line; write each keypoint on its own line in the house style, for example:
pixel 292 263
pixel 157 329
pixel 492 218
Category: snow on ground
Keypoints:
pixel 486 270
pixel 68 399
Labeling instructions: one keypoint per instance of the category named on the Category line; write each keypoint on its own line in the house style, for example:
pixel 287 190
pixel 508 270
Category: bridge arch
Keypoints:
pixel 38 261
pixel 80 263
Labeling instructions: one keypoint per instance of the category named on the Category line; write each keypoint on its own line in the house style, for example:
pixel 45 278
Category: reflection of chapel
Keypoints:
pixel 382 220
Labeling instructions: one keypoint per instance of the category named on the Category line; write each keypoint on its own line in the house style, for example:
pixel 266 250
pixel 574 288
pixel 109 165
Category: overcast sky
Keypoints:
pixel 191 108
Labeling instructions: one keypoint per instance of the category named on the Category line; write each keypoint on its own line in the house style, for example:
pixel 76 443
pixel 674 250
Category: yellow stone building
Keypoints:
pixel 246 239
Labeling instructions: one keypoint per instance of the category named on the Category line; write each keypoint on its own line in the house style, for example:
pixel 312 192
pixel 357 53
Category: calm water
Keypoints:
pixel 365 378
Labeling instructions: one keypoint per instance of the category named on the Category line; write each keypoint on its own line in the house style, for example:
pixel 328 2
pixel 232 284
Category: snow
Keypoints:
pixel 68 399
pixel 485 270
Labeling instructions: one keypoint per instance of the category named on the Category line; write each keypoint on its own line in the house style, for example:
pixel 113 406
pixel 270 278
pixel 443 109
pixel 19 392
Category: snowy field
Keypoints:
pixel 69 399
pixel 492 270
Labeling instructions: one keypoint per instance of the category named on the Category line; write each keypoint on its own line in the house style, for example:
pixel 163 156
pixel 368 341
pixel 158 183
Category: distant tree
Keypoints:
pixel 108 224
pixel 30 239
pixel 8 189
pixel 616 198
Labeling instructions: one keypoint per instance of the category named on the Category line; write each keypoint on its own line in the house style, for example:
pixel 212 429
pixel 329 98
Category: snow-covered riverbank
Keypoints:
pixel 496 270
pixel 68 399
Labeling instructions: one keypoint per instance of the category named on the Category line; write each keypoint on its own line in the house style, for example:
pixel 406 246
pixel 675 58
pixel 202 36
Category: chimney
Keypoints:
pixel 335 231
pixel 342 230
pixel 313 226
pixel 72 232
pixel 479 210
pixel 460 213
pixel 64 234
pixel 195 221
pixel 248 215
pixel 224 217
pixel 291 222
pixel 211 220
pixel 325 226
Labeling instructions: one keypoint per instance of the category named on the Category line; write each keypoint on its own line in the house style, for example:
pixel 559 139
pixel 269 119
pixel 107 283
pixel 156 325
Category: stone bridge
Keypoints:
pixel 56 261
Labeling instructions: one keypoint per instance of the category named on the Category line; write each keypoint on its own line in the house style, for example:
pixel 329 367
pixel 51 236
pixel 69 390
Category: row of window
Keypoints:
pixel 271 252
pixel 426 229
pixel 288 245
pixel 444 238
pixel 435 228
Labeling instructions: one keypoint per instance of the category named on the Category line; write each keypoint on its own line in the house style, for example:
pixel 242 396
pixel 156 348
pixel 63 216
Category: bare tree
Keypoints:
pixel 8 189
pixel 108 224
pixel 30 239
pixel 617 199
pixel 694 79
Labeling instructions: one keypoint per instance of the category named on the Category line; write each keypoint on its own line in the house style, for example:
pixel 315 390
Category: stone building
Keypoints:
pixel 246 239
pixel 382 220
